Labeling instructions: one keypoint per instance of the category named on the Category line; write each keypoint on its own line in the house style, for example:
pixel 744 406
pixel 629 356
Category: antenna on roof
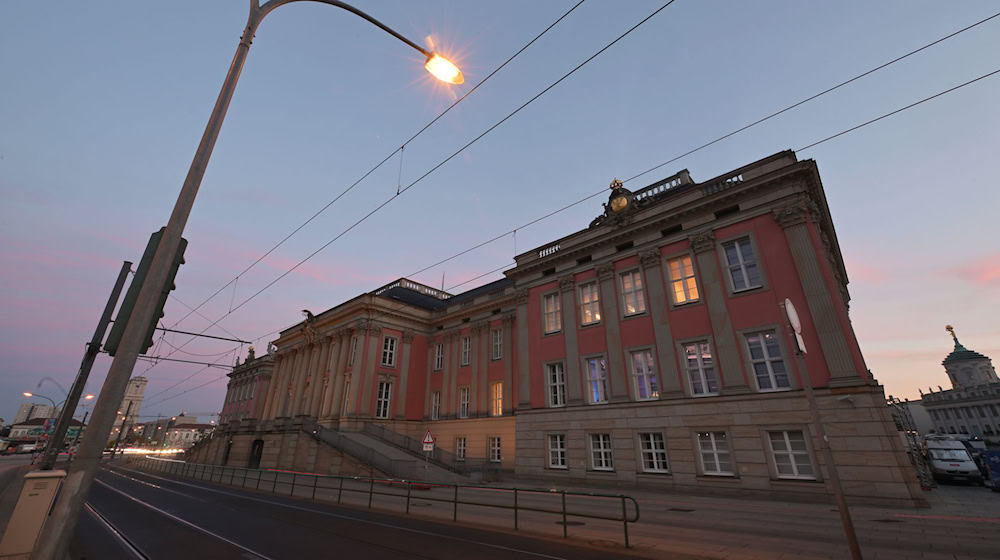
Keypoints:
pixel 442 280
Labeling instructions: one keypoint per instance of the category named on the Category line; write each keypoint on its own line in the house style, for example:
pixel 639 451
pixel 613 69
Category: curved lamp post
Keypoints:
pixel 58 530
pixel 31 395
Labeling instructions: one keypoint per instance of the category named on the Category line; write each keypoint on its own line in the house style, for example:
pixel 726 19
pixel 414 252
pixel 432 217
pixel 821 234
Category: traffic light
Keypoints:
pixel 128 303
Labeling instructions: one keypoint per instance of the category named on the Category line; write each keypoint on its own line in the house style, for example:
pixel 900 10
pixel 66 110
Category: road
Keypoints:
pixel 141 515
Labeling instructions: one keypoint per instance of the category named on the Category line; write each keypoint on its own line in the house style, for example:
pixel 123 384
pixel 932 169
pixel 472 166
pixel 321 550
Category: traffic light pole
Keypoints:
pixel 93 348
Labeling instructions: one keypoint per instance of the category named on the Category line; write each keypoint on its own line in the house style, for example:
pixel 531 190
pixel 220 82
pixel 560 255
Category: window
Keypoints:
pixel 633 300
pixel 494 449
pixel 682 283
pixel 466 351
pixel 590 305
pixel 460 448
pixel 597 380
pixel 463 402
pixel 791 457
pixel 714 452
pixel 600 452
pixel 993 409
pixel 765 357
pixel 557 451
pixel 496 399
pixel 743 271
pixel 438 356
pixel 654 452
pixel 436 405
pixel 353 351
pixel 382 399
pixel 551 313
pixel 644 373
pixel 980 411
pixel 934 414
pixel 496 336
pixel 556 376
pixel 389 351
pixel 701 368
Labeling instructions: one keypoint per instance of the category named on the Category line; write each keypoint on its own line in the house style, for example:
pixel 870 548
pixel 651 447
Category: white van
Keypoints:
pixel 949 459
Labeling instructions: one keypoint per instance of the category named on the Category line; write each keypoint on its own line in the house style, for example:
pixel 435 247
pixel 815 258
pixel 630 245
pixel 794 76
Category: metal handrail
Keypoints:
pixel 244 478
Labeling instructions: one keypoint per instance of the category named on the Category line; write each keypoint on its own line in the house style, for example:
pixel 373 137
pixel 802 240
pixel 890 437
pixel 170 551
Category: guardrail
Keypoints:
pixel 487 470
pixel 308 485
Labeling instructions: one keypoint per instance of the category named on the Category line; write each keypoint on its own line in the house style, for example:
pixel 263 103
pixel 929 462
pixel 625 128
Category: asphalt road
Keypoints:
pixel 139 515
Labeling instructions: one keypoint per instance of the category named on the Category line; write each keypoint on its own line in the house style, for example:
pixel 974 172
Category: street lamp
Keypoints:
pixel 58 529
pixel 34 395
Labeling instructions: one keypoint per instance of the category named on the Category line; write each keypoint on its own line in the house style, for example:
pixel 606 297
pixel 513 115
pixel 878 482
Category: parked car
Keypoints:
pixel 27 447
pixel 950 460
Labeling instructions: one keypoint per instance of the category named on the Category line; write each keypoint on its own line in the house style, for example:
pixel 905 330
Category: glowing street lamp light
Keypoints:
pixel 444 69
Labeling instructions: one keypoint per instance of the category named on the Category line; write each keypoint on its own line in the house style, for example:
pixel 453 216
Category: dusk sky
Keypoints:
pixel 102 105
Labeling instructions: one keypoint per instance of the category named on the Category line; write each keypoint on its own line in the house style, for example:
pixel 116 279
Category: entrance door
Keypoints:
pixel 256 450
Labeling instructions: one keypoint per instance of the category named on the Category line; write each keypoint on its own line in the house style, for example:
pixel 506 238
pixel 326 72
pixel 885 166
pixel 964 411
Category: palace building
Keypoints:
pixel 649 349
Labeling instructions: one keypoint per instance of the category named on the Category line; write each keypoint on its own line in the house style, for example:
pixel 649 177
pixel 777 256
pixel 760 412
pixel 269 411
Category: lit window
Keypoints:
pixel 496 336
pixel 597 380
pixel 654 452
pixel 557 451
pixel 463 402
pixel 683 285
pixel 436 405
pixel 600 452
pixel 551 313
pixel 438 357
pixel 382 399
pixel 496 399
pixel 493 443
pixel 590 305
pixel 353 351
pixel 701 369
pixel 466 350
pixel 714 453
pixel 644 374
pixel 633 300
pixel 765 357
pixel 791 457
pixel 389 351
pixel 556 376
pixel 460 448
pixel 743 271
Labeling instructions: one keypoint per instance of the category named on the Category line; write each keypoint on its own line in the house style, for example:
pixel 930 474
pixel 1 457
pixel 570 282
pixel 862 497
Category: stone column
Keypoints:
pixel 336 349
pixel 287 381
pixel 666 365
pixel 340 375
pixel 321 377
pixel 726 351
pixel 367 379
pixel 450 372
pixel 617 375
pixel 404 371
pixel 508 366
pixel 299 387
pixel 567 302
pixel 479 399
pixel 431 349
pixel 523 375
pixel 279 362
pixel 795 220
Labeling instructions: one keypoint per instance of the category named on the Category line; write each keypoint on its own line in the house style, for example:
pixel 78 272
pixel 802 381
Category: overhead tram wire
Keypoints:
pixel 384 160
pixel 741 129
pixel 436 167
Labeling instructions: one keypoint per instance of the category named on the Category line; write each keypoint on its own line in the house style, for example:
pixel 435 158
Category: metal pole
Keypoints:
pixel 515 509
pixel 83 426
pixel 76 390
pixel 564 523
pixel 121 431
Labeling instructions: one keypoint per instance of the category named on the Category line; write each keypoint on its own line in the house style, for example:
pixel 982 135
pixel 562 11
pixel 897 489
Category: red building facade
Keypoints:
pixel 648 349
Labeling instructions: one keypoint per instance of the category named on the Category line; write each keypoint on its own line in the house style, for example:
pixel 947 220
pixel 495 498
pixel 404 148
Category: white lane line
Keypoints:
pixel 107 524
pixel 358 520
pixel 183 521
pixel 151 485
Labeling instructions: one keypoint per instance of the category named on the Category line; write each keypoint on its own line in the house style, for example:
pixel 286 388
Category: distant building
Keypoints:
pixel 133 395
pixel 28 411
pixel 154 432
pixel 182 436
pixel 972 406
pixel 39 428
pixel 247 387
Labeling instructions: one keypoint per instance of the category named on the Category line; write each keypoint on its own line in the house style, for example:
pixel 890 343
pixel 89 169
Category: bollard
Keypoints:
pixel 292 493
pixel 409 488
pixel 340 492
pixel 515 509
pixel 625 521
pixel 565 525
pixel 454 514
pixel 371 490
pixel 315 479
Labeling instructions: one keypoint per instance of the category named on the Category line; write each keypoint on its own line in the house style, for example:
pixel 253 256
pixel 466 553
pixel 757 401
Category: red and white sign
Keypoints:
pixel 428 441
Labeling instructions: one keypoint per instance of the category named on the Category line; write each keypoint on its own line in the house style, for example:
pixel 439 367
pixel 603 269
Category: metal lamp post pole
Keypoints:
pixel 58 530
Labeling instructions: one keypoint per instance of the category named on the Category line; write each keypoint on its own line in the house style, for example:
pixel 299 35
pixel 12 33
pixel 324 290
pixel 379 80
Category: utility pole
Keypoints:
pixel 93 348
pixel 121 431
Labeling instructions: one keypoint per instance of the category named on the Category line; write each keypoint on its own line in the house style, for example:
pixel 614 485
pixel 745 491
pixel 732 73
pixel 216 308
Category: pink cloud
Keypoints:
pixel 984 271
pixel 867 271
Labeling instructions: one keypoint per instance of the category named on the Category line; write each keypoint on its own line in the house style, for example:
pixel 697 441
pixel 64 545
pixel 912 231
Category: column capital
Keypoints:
pixel 509 318
pixel 703 241
pixel 650 258
pixel 798 212
pixel 408 337
pixel 521 296
pixel 605 271
pixel 479 326
pixel 566 282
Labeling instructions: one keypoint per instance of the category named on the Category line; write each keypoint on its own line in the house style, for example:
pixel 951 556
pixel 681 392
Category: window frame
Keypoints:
pixel 641 291
pixel 436 405
pixel 466 353
pixel 496 338
pixel 587 379
pixel 607 453
pixel 643 452
pixel 702 470
pixel 556 313
pixel 490 448
pixel 549 385
pixel 653 388
pixel 438 356
pixel 352 352
pixel 724 262
pixel 772 458
pixel 496 398
pixel 383 400
pixel 694 275
pixel 561 450
pixel 463 402
pixel 682 358
pixel 389 346
pixel 779 335
pixel 585 306
pixel 461 450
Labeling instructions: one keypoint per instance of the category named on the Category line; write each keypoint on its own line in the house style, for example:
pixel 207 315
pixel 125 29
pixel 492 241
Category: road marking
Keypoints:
pixel 151 485
pixel 950 517
pixel 128 544
pixel 359 520
pixel 256 555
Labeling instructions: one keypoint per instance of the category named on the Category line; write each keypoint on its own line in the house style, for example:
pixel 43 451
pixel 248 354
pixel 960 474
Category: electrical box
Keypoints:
pixel 30 513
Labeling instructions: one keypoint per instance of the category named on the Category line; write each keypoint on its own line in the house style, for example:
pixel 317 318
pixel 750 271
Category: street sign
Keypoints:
pixel 793 320
pixel 428 441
